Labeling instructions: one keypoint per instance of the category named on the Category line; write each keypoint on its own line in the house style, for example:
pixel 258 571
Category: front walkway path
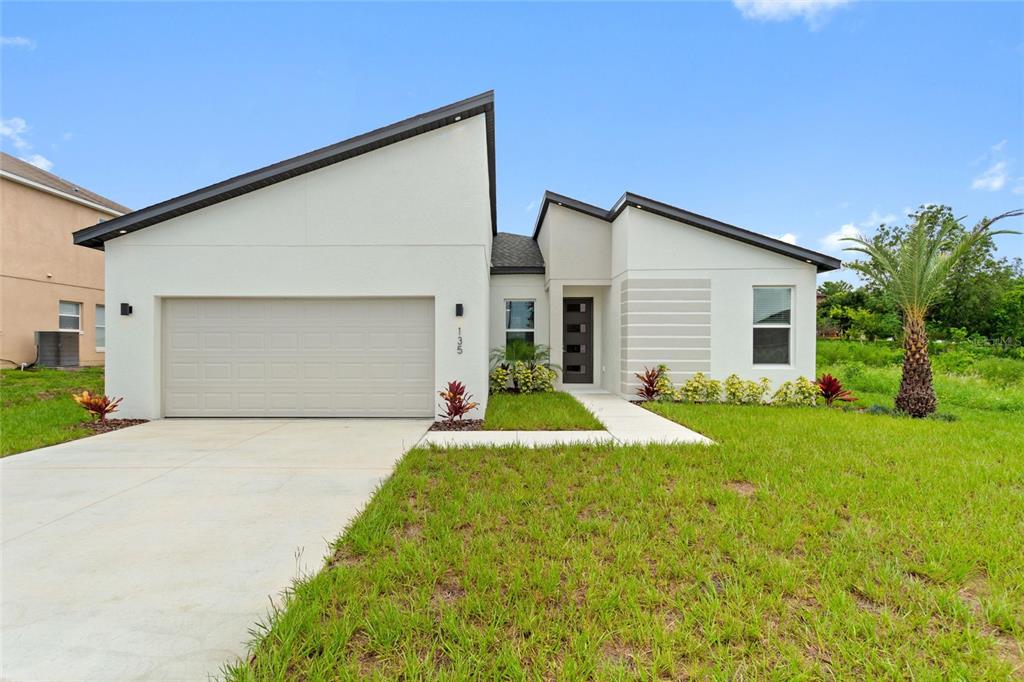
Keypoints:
pixel 625 424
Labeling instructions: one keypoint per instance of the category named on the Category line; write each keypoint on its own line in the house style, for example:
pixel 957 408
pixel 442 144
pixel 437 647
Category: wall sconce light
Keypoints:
pixel 126 309
pixel 458 310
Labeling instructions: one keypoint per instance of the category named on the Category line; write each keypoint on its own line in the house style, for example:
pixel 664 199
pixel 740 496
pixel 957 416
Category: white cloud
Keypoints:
pixel 998 172
pixel 1019 187
pixel 18 41
pixel 876 219
pixel 833 243
pixel 13 129
pixel 39 161
pixel 789 238
pixel 994 177
pixel 532 206
pixel 66 137
pixel 16 130
pixel 814 12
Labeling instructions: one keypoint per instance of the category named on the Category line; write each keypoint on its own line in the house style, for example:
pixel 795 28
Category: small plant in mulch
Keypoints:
pixel 457 403
pixel 99 406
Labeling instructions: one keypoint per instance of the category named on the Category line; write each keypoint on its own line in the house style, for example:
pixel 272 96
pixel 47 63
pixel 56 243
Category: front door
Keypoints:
pixel 578 340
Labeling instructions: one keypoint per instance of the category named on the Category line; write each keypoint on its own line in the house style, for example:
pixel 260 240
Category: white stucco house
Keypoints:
pixel 356 279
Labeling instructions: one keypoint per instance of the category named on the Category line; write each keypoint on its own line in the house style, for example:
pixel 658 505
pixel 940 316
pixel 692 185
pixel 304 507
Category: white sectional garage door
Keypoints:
pixel 247 357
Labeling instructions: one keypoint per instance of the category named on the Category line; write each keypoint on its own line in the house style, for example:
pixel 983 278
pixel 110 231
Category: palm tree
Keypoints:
pixel 914 271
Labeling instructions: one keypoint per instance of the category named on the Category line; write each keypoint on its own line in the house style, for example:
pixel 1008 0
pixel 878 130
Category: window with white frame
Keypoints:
pixel 70 316
pixel 519 320
pixel 101 327
pixel 772 325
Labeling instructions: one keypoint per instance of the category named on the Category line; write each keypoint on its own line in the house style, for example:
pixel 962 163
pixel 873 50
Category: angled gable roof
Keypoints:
pixel 823 262
pixel 22 171
pixel 283 170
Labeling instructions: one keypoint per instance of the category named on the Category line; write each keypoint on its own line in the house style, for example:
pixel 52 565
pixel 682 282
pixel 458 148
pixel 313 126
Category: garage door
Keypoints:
pixel 246 357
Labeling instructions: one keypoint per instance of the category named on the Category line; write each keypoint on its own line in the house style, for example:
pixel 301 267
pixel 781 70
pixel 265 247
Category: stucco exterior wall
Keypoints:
pixel 659 248
pixel 409 219
pixel 40 266
pixel 505 287
pixel 646 271
pixel 576 247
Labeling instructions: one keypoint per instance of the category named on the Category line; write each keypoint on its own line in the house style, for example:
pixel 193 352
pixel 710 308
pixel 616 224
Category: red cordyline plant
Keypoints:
pixel 832 390
pixel 99 406
pixel 648 389
pixel 457 402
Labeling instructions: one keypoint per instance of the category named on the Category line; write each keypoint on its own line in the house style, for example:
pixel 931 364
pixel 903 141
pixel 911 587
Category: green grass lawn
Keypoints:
pixel 36 408
pixel 808 543
pixel 538 412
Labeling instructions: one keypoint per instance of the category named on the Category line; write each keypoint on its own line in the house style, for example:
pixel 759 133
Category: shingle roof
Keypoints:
pixel 283 170
pixel 513 254
pixel 823 262
pixel 27 171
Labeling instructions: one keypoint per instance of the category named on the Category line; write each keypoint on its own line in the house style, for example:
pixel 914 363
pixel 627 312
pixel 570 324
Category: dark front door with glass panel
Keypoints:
pixel 578 340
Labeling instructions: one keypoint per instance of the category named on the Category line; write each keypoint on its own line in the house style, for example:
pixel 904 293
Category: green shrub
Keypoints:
pixel 522 376
pixel 1000 371
pixel 745 392
pixel 870 353
pixel 543 379
pixel 955 361
pixel 663 385
pixel 803 391
pixel 701 389
pixel 528 378
pixel 499 379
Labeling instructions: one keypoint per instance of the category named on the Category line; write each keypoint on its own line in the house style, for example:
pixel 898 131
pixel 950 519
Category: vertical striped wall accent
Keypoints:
pixel 665 321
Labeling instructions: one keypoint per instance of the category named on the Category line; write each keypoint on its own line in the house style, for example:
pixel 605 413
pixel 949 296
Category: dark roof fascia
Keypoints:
pixel 483 103
pixel 516 270
pixel 567 202
pixel 824 263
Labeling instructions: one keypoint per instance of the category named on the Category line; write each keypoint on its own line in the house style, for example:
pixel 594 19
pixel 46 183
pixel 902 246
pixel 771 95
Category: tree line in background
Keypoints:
pixel 983 296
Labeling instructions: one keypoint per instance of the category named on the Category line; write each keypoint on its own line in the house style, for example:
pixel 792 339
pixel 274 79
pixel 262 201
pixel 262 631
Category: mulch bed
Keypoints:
pixel 459 425
pixel 111 424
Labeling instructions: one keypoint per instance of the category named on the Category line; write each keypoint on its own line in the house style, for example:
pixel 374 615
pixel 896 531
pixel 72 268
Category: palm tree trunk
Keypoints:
pixel 916 396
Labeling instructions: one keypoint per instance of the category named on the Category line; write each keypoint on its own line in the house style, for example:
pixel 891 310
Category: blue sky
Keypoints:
pixel 800 119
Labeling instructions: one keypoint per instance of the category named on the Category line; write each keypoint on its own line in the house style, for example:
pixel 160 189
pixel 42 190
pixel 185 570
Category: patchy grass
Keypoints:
pixel 555 411
pixel 808 543
pixel 36 408
pixel 956 394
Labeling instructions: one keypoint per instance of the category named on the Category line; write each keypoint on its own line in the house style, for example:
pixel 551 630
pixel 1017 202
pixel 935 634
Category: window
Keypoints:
pixel 772 323
pixel 518 321
pixel 101 327
pixel 70 317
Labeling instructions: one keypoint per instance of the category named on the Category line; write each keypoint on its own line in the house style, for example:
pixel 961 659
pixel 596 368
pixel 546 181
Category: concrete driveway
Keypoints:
pixel 149 553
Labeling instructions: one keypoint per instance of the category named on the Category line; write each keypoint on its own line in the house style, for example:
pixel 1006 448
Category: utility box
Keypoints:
pixel 57 349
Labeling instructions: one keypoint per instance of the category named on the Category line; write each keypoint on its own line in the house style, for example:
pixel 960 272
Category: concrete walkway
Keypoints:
pixel 149 553
pixel 624 422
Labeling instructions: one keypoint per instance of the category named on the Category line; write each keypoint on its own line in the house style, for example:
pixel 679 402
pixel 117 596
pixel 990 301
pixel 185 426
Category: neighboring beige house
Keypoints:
pixel 46 282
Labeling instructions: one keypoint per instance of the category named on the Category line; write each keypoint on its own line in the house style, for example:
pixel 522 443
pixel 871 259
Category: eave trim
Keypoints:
pixel 823 262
